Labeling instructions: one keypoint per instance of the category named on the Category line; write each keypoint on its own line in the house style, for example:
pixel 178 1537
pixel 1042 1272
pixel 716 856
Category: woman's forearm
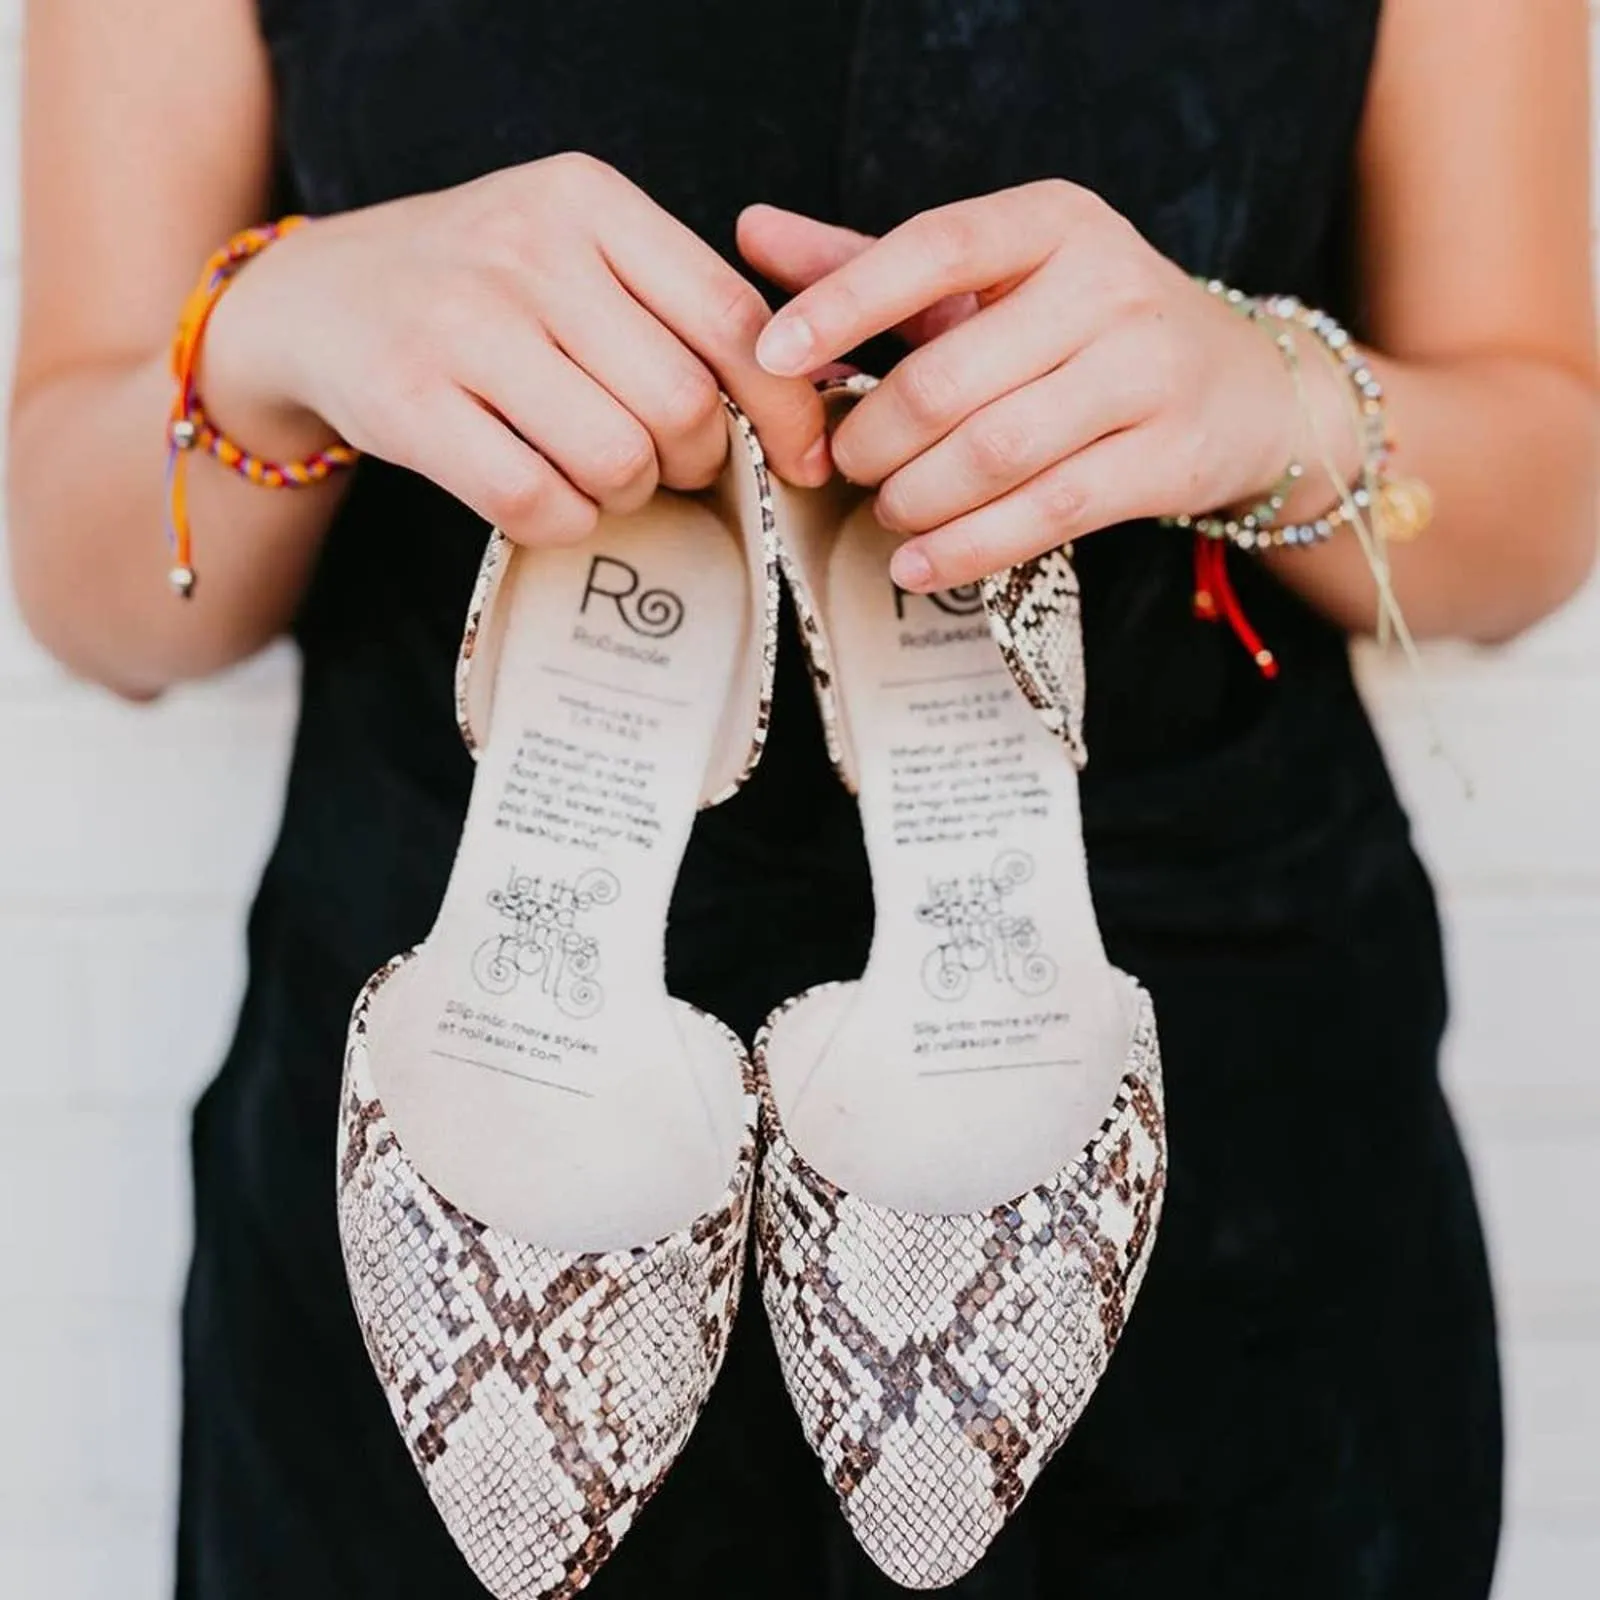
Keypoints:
pixel 88 544
pixel 1507 447
pixel 112 240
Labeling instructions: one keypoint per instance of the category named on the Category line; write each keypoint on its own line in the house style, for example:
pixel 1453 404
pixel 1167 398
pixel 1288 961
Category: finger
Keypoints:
pixel 795 251
pixel 935 389
pixel 1018 436
pixel 719 315
pixel 963 248
pixel 1110 482
pixel 472 454
pixel 606 454
pixel 650 372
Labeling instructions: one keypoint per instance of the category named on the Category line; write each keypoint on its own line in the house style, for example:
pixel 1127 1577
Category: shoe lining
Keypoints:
pixel 529 1059
pixel 988 1034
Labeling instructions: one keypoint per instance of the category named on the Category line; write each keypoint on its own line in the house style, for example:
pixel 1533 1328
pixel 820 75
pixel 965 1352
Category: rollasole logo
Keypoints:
pixel 967 601
pixel 963 602
pixel 650 613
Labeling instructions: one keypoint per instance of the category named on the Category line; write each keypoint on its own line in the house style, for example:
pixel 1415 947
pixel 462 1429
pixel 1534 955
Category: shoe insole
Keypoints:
pixel 984 1043
pixel 531 1061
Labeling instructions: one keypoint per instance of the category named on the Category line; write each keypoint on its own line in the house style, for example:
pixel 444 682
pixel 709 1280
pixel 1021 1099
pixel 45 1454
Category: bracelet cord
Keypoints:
pixel 1357 505
pixel 190 430
pixel 1216 600
pixel 1282 317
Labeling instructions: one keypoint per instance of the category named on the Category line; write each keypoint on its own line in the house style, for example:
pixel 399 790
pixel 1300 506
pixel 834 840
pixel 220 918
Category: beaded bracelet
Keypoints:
pixel 1370 416
pixel 189 429
pixel 1397 508
pixel 1249 529
pixel 1279 316
pixel 1259 529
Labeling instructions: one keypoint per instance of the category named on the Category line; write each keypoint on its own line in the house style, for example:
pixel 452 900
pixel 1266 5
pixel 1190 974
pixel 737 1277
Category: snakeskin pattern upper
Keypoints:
pixel 937 1362
pixel 543 1394
pixel 1035 615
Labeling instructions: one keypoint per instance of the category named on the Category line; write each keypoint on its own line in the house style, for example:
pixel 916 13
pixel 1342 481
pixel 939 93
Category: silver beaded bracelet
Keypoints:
pixel 1258 529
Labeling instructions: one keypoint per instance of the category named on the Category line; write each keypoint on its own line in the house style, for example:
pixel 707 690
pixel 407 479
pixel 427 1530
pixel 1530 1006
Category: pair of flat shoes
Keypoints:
pixel 952 1168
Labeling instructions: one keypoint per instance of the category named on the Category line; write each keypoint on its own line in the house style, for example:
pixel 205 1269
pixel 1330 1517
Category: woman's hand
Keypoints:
pixel 1067 377
pixel 542 342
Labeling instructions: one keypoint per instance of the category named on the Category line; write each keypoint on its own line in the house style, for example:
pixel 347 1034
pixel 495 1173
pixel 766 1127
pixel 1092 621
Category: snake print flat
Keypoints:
pixel 938 1360
pixel 964 1152
pixel 545 1163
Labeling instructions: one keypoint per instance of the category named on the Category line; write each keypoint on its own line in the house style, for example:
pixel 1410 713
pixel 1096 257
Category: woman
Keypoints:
pixel 533 275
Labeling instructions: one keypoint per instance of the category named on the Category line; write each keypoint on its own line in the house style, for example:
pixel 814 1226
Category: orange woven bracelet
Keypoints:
pixel 189 430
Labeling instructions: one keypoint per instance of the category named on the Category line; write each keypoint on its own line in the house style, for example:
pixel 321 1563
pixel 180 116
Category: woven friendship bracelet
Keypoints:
pixel 188 428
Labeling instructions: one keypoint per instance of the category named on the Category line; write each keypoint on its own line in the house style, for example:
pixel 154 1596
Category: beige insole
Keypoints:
pixel 530 1060
pixel 985 1041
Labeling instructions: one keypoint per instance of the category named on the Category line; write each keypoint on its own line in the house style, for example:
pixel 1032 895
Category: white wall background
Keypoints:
pixel 121 961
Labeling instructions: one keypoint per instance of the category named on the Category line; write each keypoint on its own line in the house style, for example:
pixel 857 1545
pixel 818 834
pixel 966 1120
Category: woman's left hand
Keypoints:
pixel 1065 376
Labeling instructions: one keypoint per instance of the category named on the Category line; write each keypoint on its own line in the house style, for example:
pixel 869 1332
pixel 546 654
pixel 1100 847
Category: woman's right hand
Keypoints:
pixel 542 343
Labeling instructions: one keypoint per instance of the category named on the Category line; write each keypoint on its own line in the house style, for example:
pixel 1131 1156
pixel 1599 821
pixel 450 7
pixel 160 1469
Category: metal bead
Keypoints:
pixel 184 434
pixel 181 580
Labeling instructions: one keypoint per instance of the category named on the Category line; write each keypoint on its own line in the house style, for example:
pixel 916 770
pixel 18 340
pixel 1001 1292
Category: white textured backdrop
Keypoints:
pixel 121 960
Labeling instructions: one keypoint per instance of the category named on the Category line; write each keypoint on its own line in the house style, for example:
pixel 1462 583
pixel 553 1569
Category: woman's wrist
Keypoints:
pixel 1307 424
pixel 1334 450
pixel 247 376
pixel 192 430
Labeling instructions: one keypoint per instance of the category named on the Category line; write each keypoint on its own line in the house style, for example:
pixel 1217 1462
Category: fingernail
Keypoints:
pixel 816 465
pixel 784 347
pixel 910 568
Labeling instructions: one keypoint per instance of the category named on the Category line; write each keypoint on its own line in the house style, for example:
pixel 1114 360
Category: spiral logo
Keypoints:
pixel 964 601
pixel 652 613
pixel 655 613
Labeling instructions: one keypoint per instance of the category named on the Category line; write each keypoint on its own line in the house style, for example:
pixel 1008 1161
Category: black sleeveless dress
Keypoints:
pixel 1306 1403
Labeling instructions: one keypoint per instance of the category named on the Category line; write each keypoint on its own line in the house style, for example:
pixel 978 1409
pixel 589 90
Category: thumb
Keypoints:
pixel 796 251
